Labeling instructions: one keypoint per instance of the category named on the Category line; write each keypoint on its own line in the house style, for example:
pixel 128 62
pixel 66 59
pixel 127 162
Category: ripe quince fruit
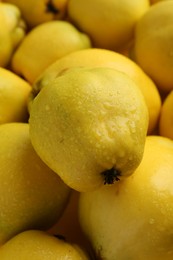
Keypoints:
pixel 86 126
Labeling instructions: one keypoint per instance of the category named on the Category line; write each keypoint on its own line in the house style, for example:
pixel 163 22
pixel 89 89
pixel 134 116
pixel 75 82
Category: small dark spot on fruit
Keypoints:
pixel 111 175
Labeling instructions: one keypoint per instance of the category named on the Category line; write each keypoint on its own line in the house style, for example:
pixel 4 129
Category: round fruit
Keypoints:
pixel 44 44
pixel 39 245
pixel 13 30
pixel 40 11
pixel 86 125
pixel 14 94
pixel 153 48
pixel 16 25
pixel 110 24
pixel 5 42
pixel 134 218
pixel 96 57
pixel 31 194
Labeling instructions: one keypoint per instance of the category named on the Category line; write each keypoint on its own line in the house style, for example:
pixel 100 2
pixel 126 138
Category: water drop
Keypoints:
pixel 151 221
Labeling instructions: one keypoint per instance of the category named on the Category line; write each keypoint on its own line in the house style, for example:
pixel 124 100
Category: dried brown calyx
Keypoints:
pixel 111 175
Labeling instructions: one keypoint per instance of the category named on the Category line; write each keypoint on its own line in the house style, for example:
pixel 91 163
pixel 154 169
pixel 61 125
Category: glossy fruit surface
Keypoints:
pixel 86 125
pixel 39 245
pixel 134 218
pixel 97 57
pixel 31 195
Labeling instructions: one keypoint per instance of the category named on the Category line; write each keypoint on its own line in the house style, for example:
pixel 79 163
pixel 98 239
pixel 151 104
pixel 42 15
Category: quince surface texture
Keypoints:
pixel 31 195
pixel 39 245
pixel 86 125
pixel 97 57
pixel 134 218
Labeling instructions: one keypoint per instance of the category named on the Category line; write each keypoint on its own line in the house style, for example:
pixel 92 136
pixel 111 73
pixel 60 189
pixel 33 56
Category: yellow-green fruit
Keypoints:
pixel 89 125
pixel 40 11
pixel 5 42
pixel 39 245
pixel 44 44
pixel 134 218
pixel 31 194
pixel 110 24
pixel 97 57
pixel 153 48
pixel 15 23
pixel 14 93
pixel 12 31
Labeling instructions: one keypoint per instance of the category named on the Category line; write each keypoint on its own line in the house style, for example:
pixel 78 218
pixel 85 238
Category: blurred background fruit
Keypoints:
pixel 36 12
pixel 31 195
pixel 12 31
pixel 109 24
pixel 5 43
pixel 153 48
pixel 44 44
pixel 39 245
pixel 14 93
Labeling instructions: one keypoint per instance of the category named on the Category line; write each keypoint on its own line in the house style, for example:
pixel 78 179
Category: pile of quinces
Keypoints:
pixel 86 130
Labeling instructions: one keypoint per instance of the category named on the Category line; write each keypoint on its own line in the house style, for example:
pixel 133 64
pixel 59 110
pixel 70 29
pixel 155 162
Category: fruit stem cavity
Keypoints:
pixel 51 8
pixel 111 175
